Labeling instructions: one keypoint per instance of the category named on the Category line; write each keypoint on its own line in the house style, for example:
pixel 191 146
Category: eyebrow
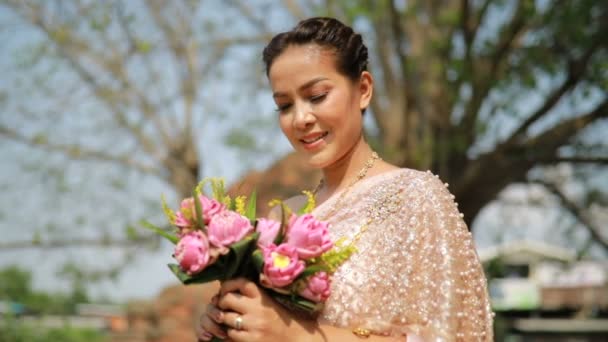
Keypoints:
pixel 303 86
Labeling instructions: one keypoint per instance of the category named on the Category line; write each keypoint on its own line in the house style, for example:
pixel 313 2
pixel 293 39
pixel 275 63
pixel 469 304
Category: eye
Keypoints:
pixel 318 98
pixel 283 107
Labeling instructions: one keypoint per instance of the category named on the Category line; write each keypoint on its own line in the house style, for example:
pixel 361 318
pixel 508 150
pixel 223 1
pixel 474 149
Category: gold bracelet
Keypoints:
pixel 362 332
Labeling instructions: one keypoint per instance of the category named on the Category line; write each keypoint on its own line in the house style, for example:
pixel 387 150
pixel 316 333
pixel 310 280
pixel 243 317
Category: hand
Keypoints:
pixel 210 322
pixel 262 319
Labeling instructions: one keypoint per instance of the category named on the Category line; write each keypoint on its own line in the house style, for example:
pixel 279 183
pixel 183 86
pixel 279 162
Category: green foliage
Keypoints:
pixel 143 46
pixel 14 330
pixel 16 287
pixel 15 283
pixel 167 235
pixel 240 138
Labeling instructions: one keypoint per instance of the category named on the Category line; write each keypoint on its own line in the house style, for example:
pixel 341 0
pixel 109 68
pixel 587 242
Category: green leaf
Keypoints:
pixel 257 259
pixel 143 46
pixel 209 274
pixel 174 239
pixel 238 252
pixel 198 208
pixel 250 210
pixel 310 270
pixel 297 303
pixel 282 230
pixel 131 233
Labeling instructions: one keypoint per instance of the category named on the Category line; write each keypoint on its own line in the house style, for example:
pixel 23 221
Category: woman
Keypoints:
pixel 416 275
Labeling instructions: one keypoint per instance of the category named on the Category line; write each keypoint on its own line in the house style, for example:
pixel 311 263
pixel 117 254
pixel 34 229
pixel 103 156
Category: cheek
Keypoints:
pixel 285 125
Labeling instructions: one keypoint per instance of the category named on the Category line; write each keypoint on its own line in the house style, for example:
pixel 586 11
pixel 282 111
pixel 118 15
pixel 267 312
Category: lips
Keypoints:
pixel 312 138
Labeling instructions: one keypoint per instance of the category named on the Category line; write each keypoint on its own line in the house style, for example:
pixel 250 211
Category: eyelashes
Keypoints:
pixel 315 99
pixel 318 98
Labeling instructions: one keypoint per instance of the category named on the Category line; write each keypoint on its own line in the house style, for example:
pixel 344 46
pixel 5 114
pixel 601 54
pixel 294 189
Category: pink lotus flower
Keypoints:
pixel 268 230
pixel 281 265
pixel 192 252
pixel 309 236
pixel 184 225
pixel 317 288
pixel 226 228
pixel 185 218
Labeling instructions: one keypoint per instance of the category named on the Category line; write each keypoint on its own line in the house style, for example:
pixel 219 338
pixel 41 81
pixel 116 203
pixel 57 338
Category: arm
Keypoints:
pixel 446 293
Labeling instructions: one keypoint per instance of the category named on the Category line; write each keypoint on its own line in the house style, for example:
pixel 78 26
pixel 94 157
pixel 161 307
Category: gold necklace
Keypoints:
pixel 359 332
pixel 362 173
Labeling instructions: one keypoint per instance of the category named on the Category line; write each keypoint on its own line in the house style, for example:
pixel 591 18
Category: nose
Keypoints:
pixel 304 117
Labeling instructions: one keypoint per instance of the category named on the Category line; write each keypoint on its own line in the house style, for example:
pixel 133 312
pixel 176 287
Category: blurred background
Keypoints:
pixel 106 105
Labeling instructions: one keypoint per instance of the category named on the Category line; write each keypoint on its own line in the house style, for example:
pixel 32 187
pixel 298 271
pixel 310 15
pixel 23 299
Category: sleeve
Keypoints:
pixel 446 297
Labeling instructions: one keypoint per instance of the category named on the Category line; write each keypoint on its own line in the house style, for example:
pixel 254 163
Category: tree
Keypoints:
pixel 454 81
pixel 133 85
pixel 490 93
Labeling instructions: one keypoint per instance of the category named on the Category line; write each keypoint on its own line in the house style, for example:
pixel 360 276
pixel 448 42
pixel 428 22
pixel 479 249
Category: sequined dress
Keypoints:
pixel 416 269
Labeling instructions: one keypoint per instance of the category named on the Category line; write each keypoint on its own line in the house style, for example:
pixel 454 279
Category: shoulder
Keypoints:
pixel 409 181
pixel 421 183
pixel 294 203
pixel 408 192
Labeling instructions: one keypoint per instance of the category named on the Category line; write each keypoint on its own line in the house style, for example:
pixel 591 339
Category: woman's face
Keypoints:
pixel 319 108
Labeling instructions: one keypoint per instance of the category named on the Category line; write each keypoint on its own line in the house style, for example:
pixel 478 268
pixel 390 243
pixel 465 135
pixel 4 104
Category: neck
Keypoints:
pixel 339 174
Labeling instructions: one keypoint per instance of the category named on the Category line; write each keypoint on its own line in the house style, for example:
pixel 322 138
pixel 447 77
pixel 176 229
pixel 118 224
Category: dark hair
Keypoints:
pixel 351 53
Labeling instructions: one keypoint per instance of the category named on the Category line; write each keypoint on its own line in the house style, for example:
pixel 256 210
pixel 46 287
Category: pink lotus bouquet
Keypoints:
pixel 219 238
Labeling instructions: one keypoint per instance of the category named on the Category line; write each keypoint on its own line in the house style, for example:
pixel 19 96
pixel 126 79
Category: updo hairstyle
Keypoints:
pixel 351 53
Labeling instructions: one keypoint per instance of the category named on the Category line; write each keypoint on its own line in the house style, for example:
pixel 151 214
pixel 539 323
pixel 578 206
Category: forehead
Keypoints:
pixel 301 63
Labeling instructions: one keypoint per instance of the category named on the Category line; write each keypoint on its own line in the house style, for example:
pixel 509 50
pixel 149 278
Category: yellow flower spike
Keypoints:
pixel 199 187
pixel 226 200
pixel 219 189
pixel 240 204
pixel 168 212
pixel 310 202
pixel 337 256
pixel 274 203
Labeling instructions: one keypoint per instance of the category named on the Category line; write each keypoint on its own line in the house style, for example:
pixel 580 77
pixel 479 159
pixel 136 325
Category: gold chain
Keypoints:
pixel 362 173
pixel 359 332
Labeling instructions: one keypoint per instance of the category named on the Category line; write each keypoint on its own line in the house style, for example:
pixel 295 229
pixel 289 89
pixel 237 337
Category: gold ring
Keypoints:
pixel 238 323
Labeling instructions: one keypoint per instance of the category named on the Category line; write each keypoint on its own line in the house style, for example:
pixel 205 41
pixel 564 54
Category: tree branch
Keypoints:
pixel 576 211
pixel 559 134
pixel 576 70
pixel 483 84
pixel 469 24
pixel 59 244
pixel 247 12
pixel 78 152
pixel 104 94
pixel 294 9
pixel 575 160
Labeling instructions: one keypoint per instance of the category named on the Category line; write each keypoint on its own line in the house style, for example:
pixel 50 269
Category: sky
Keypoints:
pixel 49 194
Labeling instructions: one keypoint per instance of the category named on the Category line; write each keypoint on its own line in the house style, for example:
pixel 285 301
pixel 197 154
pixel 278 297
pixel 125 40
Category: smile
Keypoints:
pixel 314 139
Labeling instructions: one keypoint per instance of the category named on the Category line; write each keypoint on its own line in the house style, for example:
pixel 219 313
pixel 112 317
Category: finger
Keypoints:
pixel 204 336
pixel 238 335
pixel 242 285
pixel 215 298
pixel 233 301
pixel 209 326
pixel 215 313
pixel 231 321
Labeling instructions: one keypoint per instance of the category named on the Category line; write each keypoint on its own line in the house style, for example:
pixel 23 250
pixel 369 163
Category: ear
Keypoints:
pixel 366 89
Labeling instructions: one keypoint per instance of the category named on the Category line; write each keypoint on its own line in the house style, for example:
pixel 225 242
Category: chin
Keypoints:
pixel 317 160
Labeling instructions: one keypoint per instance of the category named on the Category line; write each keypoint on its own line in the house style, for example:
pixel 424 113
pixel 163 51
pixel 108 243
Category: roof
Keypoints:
pixel 526 252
